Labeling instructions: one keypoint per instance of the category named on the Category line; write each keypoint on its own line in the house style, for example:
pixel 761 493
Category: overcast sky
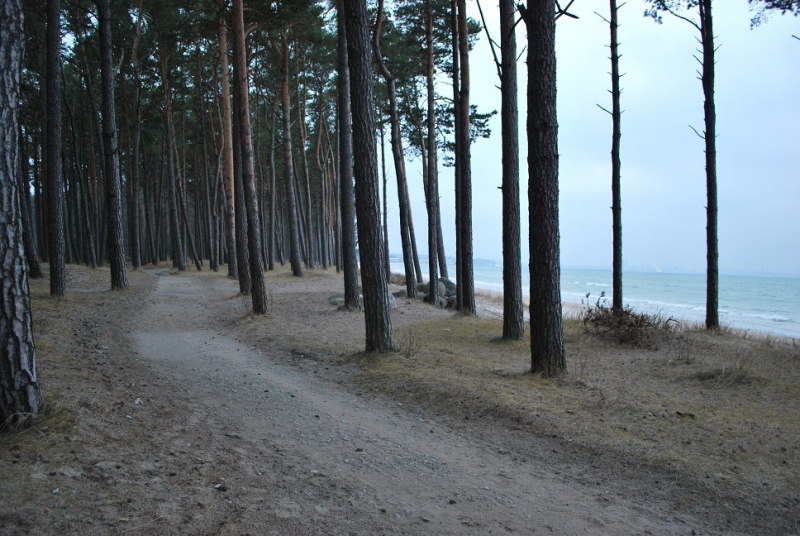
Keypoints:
pixel 663 168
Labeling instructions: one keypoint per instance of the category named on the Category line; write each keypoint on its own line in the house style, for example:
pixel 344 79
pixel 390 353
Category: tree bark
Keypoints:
pixel 20 394
pixel 466 288
pixel 258 290
pixel 174 218
pixel 294 239
pixel 227 135
pixel 710 137
pixel 432 175
pixel 28 236
pixel 55 177
pixel 346 193
pixel 116 241
pixel 133 206
pixel 242 248
pixel 399 160
pixel 547 335
pixel 376 294
pixel 513 312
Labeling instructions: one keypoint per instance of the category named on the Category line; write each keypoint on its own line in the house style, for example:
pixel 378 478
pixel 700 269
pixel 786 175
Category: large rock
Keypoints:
pixel 450 287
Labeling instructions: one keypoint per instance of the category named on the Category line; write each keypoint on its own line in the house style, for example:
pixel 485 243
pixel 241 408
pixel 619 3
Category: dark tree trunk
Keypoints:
pixel 258 290
pixel 133 206
pixel 273 194
pixel 227 134
pixel 432 175
pixel 186 225
pixel 20 394
pixel 547 335
pixel 303 135
pixel 399 160
pixel 466 289
pixel 346 193
pixel 116 241
pixel 174 218
pixel 513 313
pixel 386 262
pixel 28 236
pixel 291 199
pixel 55 177
pixel 616 134
pixel 242 248
pixel 710 137
pixel 373 277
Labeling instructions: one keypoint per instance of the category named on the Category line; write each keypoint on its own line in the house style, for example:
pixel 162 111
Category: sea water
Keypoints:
pixel 768 304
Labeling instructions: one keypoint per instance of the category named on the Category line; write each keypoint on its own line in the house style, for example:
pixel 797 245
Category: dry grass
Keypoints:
pixel 711 405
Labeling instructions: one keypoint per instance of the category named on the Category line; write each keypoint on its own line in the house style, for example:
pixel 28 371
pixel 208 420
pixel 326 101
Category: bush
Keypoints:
pixel 625 326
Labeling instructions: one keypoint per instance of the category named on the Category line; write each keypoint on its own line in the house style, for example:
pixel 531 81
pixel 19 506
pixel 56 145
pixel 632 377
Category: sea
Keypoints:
pixel 749 302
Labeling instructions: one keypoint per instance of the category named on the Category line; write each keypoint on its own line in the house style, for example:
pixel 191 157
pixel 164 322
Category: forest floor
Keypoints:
pixel 171 409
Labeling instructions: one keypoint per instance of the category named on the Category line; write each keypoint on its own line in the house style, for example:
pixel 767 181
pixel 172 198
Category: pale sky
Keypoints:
pixel 663 163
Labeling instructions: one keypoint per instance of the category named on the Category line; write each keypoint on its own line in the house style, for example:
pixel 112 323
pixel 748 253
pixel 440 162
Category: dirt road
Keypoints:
pixel 294 448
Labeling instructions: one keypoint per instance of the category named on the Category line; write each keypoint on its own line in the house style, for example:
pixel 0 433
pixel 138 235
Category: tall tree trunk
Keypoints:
pixel 242 247
pixel 432 175
pixel 710 137
pixel 466 289
pixel 547 334
pixel 385 190
pixel 55 176
pixel 28 236
pixel 241 87
pixel 227 135
pixel 346 192
pixel 378 321
pixel 185 217
pixel 616 134
pixel 399 160
pixel 456 77
pixel 169 147
pixel 302 131
pixel 133 210
pixel 20 394
pixel 116 241
pixel 282 54
pixel 513 313
pixel 273 194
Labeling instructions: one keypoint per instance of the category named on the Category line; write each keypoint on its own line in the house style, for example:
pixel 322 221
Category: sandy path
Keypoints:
pixel 383 467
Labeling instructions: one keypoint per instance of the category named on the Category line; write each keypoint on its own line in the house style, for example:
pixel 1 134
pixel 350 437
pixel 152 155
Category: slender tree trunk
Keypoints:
pixel 174 217
pixel 241 88
pixel 432 181
pixel 710 137
pixel 20 394
pixel 294 233
pixel 616 134
pixel 399 160
pixel 467 286
pixel 186 225
pixel 55 176
pixel 547 334
pixel 346 192
pixel 457 163
pixel 302 131
pixel 385 190
pixel 28 236
pixel 116 241
pixel 273 194
pixel 227 134
pixel 513 313
pixel 376 294
pixel 133 210
pixel 242 247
